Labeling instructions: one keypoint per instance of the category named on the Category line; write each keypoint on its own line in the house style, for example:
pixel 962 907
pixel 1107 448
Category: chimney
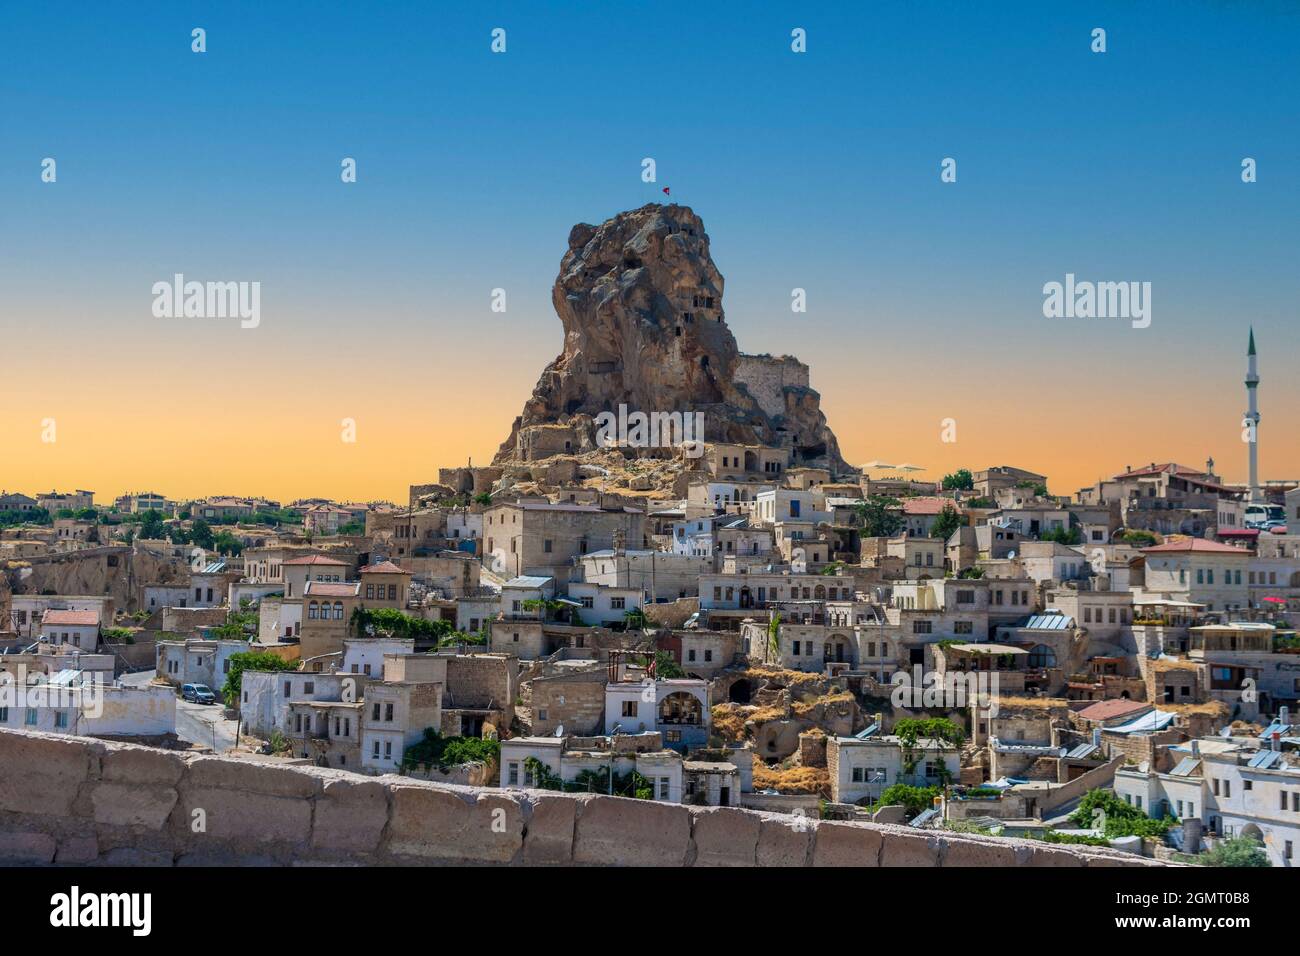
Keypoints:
pixel 1196 747
pixel 1275 742
pixel 1284 715
pixel 1096 736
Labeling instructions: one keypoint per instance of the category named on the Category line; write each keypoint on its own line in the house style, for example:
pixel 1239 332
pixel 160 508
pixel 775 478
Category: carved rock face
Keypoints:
pixel 641 304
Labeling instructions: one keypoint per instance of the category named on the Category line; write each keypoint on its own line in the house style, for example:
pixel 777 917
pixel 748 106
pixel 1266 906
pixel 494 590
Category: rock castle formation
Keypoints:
pixel 640 300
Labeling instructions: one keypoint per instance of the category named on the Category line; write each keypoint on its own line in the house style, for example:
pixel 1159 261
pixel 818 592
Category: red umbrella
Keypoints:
pixel 1275 600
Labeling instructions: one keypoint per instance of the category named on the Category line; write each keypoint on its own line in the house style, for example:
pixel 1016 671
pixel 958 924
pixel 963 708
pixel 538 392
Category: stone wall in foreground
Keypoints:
pixel 77 800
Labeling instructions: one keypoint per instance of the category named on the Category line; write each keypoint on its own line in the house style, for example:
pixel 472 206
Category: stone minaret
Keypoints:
pixel 1251 420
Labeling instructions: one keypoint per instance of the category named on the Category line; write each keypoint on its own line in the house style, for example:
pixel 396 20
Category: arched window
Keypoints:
pixel 681 708
pixel 311 610
pixel 338 610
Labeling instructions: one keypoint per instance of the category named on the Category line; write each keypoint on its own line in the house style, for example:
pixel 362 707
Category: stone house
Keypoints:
pixel 196 661
pixel 678 709
pixel 861 768
pixel 545 538
pixel 569 756
pixel 73 628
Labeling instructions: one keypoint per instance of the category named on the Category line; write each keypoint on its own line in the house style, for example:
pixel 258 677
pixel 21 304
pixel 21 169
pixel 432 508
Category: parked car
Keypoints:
pixel 198 693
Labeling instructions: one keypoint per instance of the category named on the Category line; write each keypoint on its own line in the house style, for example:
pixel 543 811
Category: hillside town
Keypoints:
pixel 733 616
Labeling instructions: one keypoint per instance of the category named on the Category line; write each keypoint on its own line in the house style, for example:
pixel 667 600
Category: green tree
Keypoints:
pixel 959 480
pixel 1116 817
pixel 774 635
pixel 914 800
pixel 201 534
pixel 1070 535
pixel 435 750
pixel 878 521
pixel 948 521
pixel 1139 538
pixel 1242 851
pixel 152 525
pixel 483 498
pixel 250 661
pixel 666 668
pixel 227 543
pixel 390 622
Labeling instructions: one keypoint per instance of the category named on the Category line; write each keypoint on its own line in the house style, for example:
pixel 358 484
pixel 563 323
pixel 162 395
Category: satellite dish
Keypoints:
pixel 1011 554
pixel 559 731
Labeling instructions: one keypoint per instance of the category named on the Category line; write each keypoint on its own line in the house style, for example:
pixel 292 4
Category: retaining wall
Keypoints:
pixel 78 800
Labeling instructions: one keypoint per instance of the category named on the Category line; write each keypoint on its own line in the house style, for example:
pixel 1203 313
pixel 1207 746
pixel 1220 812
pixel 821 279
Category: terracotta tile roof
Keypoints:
pixel 1110 709
pixel 1170 467
pixel 383 567
pixel 330 589
pixel 315 559
pixel 1198 545
pixel 71 618
pixel 925 506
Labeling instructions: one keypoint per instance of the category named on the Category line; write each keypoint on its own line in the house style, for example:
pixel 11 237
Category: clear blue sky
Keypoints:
pixel 818 170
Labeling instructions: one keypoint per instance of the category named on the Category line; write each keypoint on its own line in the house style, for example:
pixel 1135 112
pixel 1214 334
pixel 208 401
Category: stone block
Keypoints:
pixel 42 773
pixel 350 815
pixel 725 837
pixel 250 777
pixel 247 819
pixel 28 847
pixel 784 841
pixel 548 838
pixel 618 831
pixel 443 824
pixel 135 765
pixel 846 844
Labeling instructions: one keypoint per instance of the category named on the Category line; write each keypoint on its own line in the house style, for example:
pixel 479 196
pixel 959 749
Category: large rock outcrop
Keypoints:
pixel 640 300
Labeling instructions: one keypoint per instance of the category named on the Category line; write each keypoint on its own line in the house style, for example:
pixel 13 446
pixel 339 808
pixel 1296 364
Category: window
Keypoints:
pixel 629 708
pixel 663 788
pixel 513 779
pixel 388 713
pixel 546 546
pixel 963 627
pixel 618 603
pixel 61 720
pixel 388 750
pixel 921 627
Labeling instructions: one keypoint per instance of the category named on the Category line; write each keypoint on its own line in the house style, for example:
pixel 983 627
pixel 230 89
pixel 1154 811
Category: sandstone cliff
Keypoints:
pixel 640 300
